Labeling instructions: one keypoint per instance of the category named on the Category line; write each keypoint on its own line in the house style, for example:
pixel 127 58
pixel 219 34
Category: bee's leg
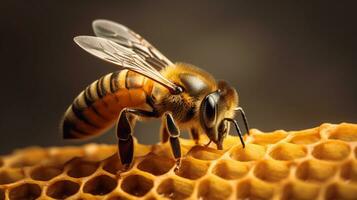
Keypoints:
pixel 194 134
pixel 125 139
pixel 240 109
pixel 124 132
pixel 174 133
pixel 164 134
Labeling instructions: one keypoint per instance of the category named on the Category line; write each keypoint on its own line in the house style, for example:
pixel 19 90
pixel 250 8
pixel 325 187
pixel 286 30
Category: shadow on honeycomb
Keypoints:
pixel 318 163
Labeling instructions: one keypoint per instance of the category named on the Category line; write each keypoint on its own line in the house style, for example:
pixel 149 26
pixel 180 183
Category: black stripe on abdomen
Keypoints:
pixel 88 96
pixel 75 114
pixel 79 113
pixel 100 93
pixel 68 127
pixel 114 81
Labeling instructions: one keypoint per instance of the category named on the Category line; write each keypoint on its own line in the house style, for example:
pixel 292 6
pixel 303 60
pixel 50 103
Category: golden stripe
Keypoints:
pixel 81 101
pixel 134 80
pixel 93 91
pixel 121 79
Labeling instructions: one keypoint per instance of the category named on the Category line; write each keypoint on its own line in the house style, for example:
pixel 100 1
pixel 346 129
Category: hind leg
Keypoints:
pixel 124 131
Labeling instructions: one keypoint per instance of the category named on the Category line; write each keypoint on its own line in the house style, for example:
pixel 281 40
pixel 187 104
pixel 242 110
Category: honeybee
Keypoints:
pixel 148 86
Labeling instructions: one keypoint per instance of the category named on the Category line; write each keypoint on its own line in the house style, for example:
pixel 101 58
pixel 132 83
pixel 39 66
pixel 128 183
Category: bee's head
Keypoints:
pixel 217 110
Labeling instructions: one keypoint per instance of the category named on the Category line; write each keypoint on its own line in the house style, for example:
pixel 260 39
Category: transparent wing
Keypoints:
pixel 124 57
pixel 124 36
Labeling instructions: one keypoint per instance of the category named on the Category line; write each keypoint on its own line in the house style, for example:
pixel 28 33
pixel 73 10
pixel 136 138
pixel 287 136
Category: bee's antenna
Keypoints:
pixel 238 130
pixel 240 109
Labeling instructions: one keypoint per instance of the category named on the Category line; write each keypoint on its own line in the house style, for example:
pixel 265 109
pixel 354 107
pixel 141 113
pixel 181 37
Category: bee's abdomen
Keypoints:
pixel 97 107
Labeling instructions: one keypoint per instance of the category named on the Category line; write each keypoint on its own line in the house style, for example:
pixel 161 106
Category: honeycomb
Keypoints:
pixel 318 163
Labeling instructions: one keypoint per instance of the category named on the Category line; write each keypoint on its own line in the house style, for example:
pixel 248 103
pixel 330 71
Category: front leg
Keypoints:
pixel 174 134
pixel 195 135
pixel 240 109
pixel 124 131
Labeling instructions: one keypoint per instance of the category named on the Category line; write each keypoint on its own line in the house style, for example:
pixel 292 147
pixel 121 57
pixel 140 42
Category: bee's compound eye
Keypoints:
pixel 209 111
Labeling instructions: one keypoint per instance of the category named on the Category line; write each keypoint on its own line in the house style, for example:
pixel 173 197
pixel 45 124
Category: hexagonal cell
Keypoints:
pixel 306 137
pixel 192 169
pixel 346 132
pixel 251 152
pixel 271 170
pixel 349 171
pixel 331 150
pixel 300 190
pixel 62 189
pixel 341 191
pixel 45 173
pixel 254 189
pixel 288 151
pixel 28 157
pixel 113 165
pixel 156 165
pixel 137 185
pixel 100 185
pixel 315 170
pixel 214 188
pixel 175 188
pixel 204 153
pixel 268 138
pixel 28 191
pixel 230 169
pixel 80 168
pixel 10 175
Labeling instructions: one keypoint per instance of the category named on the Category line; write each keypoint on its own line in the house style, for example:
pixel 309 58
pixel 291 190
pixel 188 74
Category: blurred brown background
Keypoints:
pixel 293 64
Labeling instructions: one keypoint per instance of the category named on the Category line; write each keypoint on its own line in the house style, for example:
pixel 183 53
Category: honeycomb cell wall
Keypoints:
pixel 318 163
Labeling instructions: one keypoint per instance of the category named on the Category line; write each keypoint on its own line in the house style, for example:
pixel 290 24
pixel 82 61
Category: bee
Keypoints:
pixel 148 86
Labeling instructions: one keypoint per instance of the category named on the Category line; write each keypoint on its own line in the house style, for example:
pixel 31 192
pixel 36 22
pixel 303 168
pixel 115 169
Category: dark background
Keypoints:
pixel 293 64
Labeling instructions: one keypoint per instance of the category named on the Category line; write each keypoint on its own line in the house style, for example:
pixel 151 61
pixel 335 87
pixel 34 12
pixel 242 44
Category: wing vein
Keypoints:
pixel 124 57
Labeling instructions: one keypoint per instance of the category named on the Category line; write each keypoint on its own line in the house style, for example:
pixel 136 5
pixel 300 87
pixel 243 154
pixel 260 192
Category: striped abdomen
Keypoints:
pixel 97 107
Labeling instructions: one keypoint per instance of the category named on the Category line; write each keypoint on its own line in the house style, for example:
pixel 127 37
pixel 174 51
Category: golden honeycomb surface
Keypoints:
pixel 317 163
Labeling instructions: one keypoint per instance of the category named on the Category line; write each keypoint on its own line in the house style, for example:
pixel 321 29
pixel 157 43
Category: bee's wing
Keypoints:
pixel 124 57
pixel 122 35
